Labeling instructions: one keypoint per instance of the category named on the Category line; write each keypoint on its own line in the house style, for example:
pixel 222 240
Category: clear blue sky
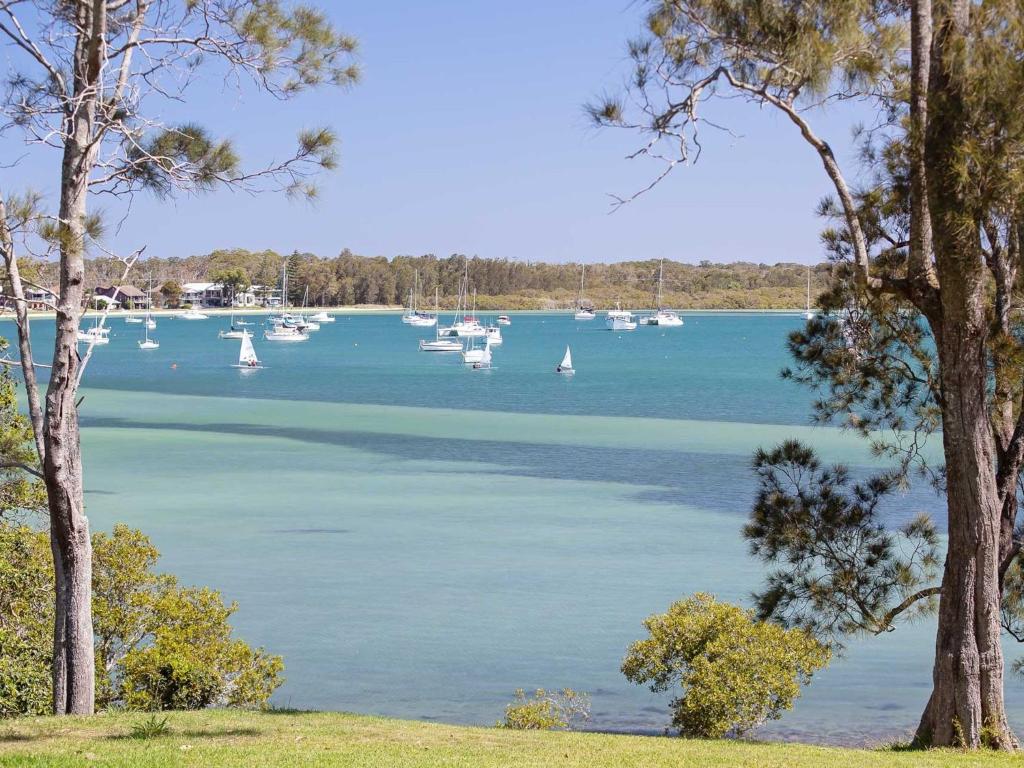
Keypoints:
pixel 466 134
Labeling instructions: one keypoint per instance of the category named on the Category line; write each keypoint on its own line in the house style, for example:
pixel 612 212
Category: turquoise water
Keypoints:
pixel 418 539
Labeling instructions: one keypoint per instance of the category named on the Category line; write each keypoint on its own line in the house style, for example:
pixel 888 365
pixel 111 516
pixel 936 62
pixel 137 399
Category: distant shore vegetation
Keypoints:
pixel 351 279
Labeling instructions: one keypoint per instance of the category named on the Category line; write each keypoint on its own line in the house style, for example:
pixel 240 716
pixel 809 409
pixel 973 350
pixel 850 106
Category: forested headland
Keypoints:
pixel 350 279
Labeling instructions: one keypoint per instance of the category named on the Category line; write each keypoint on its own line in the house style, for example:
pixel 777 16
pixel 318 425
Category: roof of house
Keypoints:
pixel 127 291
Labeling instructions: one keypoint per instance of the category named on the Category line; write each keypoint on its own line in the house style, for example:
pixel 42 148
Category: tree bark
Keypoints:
pixel 966 705
pixel 73 652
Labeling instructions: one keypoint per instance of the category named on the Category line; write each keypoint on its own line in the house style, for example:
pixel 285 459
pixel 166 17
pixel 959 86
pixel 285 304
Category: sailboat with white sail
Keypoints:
pixel 582 312
pixel 247 358
pixel 484 363
pixel 565 367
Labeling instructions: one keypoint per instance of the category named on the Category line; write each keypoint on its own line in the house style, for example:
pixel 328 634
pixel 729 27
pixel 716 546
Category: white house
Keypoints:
pixel 203 294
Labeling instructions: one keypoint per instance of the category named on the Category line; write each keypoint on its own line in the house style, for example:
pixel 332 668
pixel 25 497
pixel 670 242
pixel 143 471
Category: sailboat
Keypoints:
pixel 148 343
pixel 808 315
pixel 439 344
pixel 236 331
pixel 565 367
pixel 247 354
pixel 98 334
pixel 150 322
pixel 132 319
pixel 664 317
pixel 413 316
pixel 484 363
pixel 463 325
pixel 583 313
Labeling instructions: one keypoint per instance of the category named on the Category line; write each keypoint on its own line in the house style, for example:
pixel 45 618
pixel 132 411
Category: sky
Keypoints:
pixel 467 135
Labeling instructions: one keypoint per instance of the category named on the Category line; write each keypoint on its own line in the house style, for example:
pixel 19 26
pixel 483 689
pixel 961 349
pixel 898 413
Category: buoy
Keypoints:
pixel 174 365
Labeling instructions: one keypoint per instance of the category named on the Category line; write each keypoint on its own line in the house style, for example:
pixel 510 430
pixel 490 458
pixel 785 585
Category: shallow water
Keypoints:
pixel 418 539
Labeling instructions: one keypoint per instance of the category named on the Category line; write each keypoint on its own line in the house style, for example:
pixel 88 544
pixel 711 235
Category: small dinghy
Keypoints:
pixel 565 367
pixel 247 354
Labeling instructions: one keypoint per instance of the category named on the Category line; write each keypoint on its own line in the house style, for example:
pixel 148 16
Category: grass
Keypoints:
pixel 279 739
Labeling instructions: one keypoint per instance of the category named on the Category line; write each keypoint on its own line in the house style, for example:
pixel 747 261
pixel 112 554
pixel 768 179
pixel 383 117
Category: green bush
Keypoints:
pixel 547 710
pixel 736 673
pixel 159 645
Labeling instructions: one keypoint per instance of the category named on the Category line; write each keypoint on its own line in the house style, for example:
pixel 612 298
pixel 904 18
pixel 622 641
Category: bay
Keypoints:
pixel 419 539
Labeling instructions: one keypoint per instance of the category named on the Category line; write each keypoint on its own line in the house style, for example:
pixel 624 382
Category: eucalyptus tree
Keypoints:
pixel 922 333
pixel 93 79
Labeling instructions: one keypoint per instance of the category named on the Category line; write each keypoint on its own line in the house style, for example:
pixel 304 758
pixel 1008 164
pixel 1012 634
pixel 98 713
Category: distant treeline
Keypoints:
pixel 349 279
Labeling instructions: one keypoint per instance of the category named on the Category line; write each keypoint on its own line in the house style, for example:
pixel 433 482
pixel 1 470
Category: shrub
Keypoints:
pixel 735 672
pixel 547 710
pixel 159 645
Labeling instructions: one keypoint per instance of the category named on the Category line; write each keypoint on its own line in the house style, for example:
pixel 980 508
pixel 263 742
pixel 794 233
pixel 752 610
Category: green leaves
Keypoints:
pixel 184 156
pixel 735 672
pixel 159 645
pixel 840 571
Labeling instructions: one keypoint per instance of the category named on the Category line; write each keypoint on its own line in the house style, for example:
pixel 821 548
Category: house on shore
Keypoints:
pixel 125 295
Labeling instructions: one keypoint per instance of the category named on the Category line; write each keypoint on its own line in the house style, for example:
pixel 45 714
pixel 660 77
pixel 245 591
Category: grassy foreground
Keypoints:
pixel 278 739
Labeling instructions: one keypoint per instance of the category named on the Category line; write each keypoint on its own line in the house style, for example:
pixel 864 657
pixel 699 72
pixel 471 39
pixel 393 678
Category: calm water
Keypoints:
pixel 418 539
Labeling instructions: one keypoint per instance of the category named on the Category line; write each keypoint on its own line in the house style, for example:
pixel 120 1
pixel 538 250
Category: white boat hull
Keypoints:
pixel 149 345
pixel 231 334
pixel 279 336
pixel 440 345
pixel 619 324
pixel 584 315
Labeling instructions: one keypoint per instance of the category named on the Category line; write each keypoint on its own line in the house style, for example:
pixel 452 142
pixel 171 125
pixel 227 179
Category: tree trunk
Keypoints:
pixel 966 705
pixel 73 651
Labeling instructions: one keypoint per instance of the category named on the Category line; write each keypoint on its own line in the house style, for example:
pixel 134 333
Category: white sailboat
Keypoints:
pixel 148 343
pixel 808 315
pixel 439 343
pixel 484 363
pixel 132 319
pixel 247 354
pixel 150 322
pixel 583 313
pixel 98 334
pixel 663 317
pixel 235 331
pixel 565 367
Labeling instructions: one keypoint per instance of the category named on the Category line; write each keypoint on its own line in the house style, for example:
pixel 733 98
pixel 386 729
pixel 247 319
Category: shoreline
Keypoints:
pixel 374 309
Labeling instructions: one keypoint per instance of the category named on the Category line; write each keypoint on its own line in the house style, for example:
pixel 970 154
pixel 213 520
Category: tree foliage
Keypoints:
pixel 736 673
pixel 839 569
pixel 159 645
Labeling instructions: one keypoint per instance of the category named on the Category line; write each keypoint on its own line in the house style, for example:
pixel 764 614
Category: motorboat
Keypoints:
pixel 285 333
pixel 620 322
pixel 322 317
pixel 193 313
pixel 504 320
pixel 584 313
